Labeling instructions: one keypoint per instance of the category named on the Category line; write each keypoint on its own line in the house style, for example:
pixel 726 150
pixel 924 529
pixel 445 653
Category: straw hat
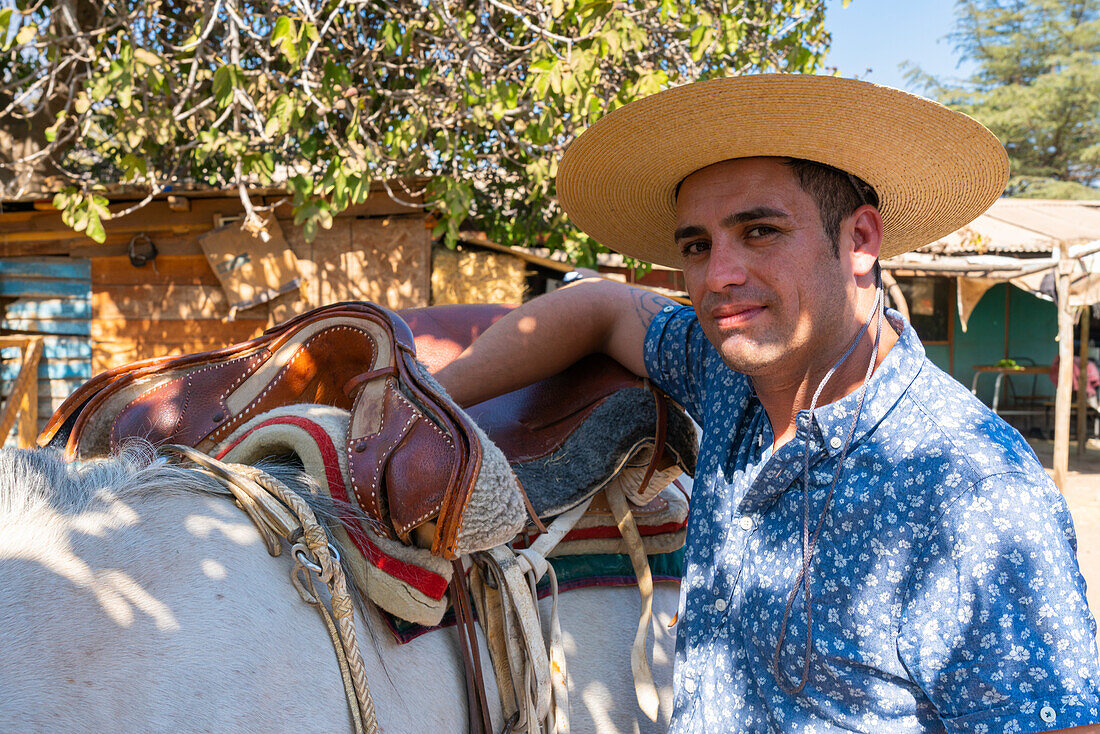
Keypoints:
pixel 934 170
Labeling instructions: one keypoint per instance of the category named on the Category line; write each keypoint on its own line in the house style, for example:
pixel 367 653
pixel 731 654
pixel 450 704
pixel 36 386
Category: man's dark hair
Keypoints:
pixel 836 193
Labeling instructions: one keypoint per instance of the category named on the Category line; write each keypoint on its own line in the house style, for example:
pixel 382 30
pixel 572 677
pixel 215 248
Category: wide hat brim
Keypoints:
pixel 934 169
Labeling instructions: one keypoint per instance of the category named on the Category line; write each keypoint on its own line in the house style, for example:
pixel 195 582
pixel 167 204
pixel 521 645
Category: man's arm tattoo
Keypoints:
pixel 648 304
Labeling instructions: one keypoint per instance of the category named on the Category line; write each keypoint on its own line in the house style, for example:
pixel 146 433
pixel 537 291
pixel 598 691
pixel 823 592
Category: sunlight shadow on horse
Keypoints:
pixel 136 594
pixel 45 534
pixel 83 522
pixel 237 529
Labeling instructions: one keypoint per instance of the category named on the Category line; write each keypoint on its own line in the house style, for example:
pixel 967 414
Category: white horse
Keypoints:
pixel 132 599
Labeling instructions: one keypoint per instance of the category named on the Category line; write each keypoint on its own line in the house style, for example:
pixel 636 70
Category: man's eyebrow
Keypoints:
pixel 750 215
pixel 731 220
pixel 688 230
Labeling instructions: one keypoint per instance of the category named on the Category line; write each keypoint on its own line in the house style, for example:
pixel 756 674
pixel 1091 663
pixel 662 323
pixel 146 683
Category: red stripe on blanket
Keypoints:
pixel 430 584
pixel 602 532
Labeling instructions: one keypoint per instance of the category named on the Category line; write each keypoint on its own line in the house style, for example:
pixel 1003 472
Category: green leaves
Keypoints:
pixel 284 37
pixel 51 131
pixel 452 202
pixel 226 79
pixel 84 212
pixel 311 215
pixel 464 107
pixel 292 37
pixel 7 17
pixel 280 116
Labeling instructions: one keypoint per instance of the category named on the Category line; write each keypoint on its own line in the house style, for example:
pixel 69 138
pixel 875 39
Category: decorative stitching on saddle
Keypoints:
pixel 429 421
pixel 244 375
pixel 424 517
pixel 166 383
pixel 417 412
pixel 230 421
pixel 381 456
pixel 301 350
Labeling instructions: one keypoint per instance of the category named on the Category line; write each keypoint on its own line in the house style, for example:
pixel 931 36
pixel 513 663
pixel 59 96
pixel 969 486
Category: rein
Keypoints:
pixel 279 514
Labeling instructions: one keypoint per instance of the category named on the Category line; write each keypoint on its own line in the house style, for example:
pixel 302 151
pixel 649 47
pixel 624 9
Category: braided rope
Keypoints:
pixel 340 599
pixel 292 519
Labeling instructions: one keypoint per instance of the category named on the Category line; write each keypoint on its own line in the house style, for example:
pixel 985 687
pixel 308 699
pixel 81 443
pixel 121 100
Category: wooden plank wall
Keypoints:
pixel 170 307
pixel 50 297
pixel 377 251
pixel 386 260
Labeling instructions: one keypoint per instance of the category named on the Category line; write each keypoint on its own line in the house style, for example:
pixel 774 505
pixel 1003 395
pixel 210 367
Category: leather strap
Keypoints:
pixel 356 382
pixel 477 706
pixel 659 439
pixel 488 598
pixel 528 660
pixel 530 508
pixel 644 688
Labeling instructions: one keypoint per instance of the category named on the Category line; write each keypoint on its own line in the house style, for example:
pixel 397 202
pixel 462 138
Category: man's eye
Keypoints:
pixel 694 247
pixel 761 230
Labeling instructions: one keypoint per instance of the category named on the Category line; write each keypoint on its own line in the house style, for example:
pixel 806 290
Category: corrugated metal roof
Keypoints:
pixel 1021 226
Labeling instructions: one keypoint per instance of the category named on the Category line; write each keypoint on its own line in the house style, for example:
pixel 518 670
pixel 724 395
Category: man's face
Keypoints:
pixel 770 293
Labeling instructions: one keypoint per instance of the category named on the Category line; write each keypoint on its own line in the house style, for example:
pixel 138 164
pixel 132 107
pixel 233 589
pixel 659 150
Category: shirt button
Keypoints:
pixel 668 309
pixel 689 685
pixel 720 604
pixel 1047 714
pixel 746 522
pixel 836 443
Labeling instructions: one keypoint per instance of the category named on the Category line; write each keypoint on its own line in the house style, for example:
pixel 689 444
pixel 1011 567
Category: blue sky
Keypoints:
pixel 880 34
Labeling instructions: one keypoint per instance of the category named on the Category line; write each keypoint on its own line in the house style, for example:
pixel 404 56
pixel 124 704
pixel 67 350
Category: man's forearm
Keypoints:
pixel 549 333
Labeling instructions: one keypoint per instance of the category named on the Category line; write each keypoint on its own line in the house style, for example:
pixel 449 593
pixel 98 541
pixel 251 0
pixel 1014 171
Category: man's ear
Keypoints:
pixel 864 228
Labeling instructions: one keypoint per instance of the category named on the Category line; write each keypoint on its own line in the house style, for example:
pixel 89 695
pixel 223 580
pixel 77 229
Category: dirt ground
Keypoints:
pixel 1083 497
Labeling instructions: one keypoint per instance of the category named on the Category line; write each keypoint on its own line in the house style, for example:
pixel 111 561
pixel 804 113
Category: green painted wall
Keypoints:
pixel 1033 324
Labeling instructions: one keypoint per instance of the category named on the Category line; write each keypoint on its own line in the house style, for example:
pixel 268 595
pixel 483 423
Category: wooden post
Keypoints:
pixel 1083 381
pixel 1064 393
pixel 23 399
pixel 897 298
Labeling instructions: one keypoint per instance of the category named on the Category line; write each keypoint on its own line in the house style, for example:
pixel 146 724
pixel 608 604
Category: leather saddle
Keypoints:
pixel 413 454
pixel 565 436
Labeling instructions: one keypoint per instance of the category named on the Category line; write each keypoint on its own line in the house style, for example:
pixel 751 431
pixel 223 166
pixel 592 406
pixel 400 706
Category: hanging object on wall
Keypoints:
pixel 142 251
pixel 252 269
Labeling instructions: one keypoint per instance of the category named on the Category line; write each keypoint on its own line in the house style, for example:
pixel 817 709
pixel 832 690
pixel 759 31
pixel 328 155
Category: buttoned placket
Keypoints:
pixel 729 559
pixel 783 469
pixel 740 526
pixel 777 473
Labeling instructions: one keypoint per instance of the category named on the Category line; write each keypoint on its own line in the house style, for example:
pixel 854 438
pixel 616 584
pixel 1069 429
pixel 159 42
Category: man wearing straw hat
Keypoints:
pixel 870 548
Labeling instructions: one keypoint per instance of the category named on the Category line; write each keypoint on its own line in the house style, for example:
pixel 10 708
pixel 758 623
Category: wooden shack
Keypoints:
pixel 98 306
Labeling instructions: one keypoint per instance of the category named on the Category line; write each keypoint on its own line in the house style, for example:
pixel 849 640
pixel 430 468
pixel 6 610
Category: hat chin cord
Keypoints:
pixel 809 542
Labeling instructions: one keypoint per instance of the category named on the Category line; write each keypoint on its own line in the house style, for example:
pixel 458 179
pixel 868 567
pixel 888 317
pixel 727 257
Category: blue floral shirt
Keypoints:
pixel 945 588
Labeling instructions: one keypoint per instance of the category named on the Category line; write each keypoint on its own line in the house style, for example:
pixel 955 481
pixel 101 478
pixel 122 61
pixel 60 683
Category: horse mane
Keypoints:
pixel 40 483
pixel 41 480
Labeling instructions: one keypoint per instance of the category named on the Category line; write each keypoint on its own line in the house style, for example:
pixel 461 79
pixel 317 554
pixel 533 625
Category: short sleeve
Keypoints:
pixel 676 353
pixel 995 627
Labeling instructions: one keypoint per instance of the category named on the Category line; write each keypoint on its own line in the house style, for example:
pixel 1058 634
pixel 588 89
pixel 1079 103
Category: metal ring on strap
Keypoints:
pixel 279 514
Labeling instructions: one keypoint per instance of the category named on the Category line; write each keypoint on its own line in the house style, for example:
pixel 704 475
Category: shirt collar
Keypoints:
pixel 832 421
pixel 886 386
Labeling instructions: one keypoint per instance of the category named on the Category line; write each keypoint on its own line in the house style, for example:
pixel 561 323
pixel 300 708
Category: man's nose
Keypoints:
pixel 725 266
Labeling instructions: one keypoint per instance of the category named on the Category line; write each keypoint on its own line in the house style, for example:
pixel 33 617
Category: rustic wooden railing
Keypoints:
pixel 22 403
